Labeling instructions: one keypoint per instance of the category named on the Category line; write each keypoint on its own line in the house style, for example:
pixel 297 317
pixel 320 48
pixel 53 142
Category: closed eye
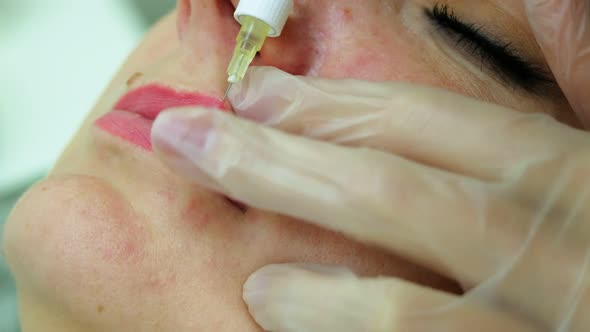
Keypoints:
pixel 500 57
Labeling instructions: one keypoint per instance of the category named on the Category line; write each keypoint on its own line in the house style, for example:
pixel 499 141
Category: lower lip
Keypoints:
pixel 131 127
pixel 133 116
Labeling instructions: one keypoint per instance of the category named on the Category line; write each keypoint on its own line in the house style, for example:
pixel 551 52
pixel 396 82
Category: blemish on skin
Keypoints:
pixel 134 78
pixel 100 309
pixel 203 221
pixel 167 195
pixel 212 263
pixel 184 14
pixel 347 14
pixel 160 282
pixel 127 251
pixel 193 206
pixel 195 215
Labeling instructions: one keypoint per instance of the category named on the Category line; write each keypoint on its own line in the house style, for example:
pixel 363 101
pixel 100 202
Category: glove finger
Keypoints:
pixel 369 195
pixel 562 29
pixel 166 136
pixel 433 126
pixel 457 226
pixel 288 298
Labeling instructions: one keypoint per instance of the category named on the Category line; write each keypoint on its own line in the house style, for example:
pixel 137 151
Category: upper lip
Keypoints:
pixel 151 99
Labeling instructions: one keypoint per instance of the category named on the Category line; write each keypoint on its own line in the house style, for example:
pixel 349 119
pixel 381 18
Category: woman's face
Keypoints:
pixel 114 241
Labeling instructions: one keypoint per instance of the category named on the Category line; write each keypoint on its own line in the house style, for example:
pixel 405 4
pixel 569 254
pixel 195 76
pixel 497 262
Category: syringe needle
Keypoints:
pixel 227 91
pixel 259 19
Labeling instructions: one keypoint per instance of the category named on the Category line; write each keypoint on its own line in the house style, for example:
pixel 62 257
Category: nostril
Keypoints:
pixel 184 14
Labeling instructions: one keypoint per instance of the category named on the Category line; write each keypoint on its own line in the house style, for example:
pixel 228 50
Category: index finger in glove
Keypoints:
pixel 369 195
pixel 433 126
pixel 285 298
pixel 463 227
pixel 562 29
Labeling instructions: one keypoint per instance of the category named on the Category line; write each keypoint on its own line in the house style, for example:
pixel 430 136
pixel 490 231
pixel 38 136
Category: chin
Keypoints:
pixel 79 249
pixel 123 253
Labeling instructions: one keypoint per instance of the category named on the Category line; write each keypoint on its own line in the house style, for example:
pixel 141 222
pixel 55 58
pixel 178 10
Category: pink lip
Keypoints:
pixel 134 114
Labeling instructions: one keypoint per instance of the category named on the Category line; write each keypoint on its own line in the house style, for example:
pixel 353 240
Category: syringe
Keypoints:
pixel 259 19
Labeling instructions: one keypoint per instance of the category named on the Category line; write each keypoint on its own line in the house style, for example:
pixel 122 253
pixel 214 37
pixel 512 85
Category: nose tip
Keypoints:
pixel 184 13
pixel 214 17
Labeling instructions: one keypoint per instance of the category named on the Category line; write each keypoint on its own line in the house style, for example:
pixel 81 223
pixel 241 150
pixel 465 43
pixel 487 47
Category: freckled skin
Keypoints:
pixel 114 241
pixel 347 15
pixel 134 78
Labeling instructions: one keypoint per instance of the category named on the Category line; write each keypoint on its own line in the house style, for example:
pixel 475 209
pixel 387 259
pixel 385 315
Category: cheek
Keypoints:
pixel 76 244
pixel 383 51
pixel 390 62
pixel 289 240
pixel 75 241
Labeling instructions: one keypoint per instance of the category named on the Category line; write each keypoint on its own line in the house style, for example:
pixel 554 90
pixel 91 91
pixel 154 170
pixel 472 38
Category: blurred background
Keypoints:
pixel 56 57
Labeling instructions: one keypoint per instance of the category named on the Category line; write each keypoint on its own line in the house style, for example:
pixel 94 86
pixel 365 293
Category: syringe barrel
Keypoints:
pixel 248 42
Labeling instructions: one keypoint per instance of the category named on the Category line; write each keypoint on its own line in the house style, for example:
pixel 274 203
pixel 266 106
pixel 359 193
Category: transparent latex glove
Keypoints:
pixel 562 29
pixel 496 199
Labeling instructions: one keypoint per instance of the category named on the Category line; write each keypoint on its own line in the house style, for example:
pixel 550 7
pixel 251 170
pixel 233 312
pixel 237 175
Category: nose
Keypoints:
pixel 298 50
pixel 307 41
pixel 206 24
pixel 209 26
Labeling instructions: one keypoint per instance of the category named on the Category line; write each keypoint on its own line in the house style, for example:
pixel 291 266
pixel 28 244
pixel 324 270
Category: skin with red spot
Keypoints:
pixel 194 214
pixel 112 228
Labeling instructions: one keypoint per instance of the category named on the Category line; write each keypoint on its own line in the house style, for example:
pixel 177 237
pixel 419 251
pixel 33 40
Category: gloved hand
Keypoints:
pixel 562 29
pixel 496 199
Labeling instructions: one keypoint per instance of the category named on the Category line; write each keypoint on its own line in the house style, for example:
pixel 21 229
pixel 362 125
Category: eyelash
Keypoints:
pixel 498 56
